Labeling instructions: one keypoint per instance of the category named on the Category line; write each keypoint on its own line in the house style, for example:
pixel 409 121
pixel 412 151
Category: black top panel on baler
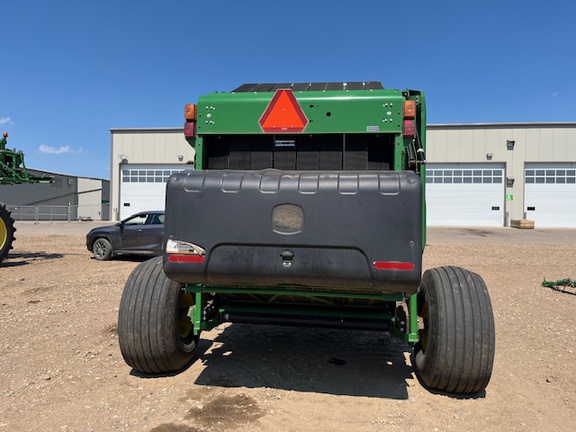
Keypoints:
pixel 334 231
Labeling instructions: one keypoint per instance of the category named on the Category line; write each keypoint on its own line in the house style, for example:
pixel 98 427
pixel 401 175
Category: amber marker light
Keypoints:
pixel 409 109
pixel 190 112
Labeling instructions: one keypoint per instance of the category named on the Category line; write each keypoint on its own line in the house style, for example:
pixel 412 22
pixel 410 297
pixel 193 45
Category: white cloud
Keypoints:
pixel 5 121
pixel 44 149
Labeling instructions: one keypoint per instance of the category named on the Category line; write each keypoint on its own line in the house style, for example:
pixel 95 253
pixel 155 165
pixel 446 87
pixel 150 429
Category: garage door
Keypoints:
pixel 465 194
pixel 550 194
pixel 143 187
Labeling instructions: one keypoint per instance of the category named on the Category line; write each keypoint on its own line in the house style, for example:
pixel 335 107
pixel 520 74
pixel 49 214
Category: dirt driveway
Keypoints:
pixel 61 369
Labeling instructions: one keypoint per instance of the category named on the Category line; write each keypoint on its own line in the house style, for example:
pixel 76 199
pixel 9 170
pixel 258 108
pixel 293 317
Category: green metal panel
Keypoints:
pixel 412 335
pixel 354 111
pixel 198 145
pixel 421 103
pixel 399 150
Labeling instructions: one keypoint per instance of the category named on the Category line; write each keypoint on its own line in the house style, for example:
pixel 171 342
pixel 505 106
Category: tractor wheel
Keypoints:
pixel 6 232
pixel 455 353
pixel 102 249
pixel 154 327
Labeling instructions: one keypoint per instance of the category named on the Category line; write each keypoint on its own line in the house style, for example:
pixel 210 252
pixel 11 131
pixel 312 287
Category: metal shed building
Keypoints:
pixel 67 198
pixel 477 174
pixel 490 174
pixel 140 163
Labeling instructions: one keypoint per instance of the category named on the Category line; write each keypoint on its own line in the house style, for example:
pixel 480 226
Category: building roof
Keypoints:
pixel 500 125
pixel 53 173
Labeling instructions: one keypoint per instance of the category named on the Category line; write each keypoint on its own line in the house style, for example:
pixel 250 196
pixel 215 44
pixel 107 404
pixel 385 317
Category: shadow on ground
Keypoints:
pixel 20 259
pixel 339 362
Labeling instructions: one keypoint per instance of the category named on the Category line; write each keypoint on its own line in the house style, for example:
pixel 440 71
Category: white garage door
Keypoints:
pixel 143 187
pixel 550 194
pixel 465 194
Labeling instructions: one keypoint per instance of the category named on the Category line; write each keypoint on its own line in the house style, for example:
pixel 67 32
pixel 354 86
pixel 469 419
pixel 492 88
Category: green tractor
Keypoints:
pixel 306 208
pixel 12 171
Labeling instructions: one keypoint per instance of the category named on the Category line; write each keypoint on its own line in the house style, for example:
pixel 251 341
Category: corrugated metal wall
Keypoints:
pixel 532 142
pixel 90 197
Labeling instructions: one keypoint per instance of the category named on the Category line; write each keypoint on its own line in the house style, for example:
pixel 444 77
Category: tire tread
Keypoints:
pixel 146 321
pixel 460 352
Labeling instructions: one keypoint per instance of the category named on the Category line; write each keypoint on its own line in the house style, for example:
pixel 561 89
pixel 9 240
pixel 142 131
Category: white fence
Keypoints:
pixel 59 212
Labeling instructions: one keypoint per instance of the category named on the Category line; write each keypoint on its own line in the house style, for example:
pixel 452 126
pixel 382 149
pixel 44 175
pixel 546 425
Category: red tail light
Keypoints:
pixel 190 114
pixel 193 259
pixel 190 129
pixel 393 265
pixel 409 128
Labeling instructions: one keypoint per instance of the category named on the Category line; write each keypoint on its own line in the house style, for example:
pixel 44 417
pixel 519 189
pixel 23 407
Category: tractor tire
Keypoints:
pixel 455 353
pixel 102 249
pixel 154 330
pixel 6 232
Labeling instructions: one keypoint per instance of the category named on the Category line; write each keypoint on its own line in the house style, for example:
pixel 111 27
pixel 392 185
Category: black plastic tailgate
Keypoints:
pixel 345 231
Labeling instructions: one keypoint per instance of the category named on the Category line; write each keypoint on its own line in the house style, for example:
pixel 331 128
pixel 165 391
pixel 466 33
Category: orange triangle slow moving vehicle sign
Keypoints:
pixel 283 114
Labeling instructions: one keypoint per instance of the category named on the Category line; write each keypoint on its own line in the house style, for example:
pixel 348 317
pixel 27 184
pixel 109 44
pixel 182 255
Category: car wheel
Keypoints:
pixel 155 331
pixel 102 249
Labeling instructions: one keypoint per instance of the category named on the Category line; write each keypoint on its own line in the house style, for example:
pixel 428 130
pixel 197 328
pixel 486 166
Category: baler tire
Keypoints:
pixel 102 249
pixel 152 311
pixel 456 349
pixel 6 232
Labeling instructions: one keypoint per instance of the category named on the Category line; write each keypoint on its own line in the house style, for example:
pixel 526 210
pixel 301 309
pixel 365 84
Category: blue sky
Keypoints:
pixel 73 69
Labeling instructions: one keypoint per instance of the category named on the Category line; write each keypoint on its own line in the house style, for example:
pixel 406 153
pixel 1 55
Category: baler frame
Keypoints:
pixel 209 316
pixel 357 140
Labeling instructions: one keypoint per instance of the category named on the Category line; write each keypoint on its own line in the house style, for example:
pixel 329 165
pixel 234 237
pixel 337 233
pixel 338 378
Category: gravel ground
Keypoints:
pixel 61 369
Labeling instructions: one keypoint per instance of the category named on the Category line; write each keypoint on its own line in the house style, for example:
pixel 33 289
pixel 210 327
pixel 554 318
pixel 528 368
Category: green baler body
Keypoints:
pixel 355 111
pixel 332 115
pixel 366 112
